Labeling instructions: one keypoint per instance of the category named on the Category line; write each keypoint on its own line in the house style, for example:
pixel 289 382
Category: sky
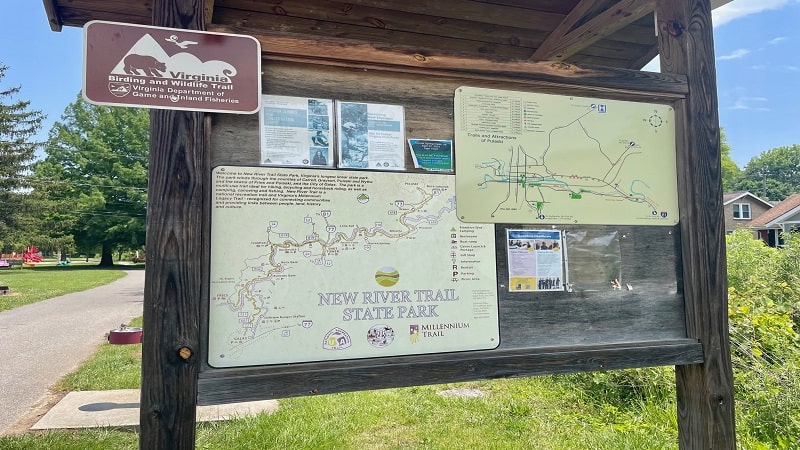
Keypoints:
pixel 757 47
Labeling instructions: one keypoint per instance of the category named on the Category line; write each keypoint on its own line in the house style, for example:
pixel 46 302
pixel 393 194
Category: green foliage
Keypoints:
pixel 93 439
pixel 763 300
pixel 730 171
pixel 112 367
pixel 18 124
pixel 773 175
pixel 626 389
pixel 93 183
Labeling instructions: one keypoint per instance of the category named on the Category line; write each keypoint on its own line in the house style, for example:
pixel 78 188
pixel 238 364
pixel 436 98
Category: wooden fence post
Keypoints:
pixel 705 391
pixel 176 226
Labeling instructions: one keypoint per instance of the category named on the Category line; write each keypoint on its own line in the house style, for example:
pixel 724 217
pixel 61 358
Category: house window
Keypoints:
pixel 741 211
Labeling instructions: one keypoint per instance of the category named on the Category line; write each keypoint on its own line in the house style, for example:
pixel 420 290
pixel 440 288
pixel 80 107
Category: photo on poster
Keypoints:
pixel 535 260
pixel 371 136
pixel 296 131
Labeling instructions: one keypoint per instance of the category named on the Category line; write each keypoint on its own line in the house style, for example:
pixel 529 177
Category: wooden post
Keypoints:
pixel 176 226
pixel 705 391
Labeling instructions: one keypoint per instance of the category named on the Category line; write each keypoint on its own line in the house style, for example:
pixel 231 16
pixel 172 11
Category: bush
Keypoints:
pixel 763 300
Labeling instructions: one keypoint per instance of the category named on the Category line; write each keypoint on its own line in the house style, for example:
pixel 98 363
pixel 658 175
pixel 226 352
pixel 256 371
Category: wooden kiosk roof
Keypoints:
pixel 609 33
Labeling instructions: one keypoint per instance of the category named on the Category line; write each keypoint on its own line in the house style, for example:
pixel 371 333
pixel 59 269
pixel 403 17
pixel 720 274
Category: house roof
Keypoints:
pixel 610 33
pixel 775 216
pixel 734 196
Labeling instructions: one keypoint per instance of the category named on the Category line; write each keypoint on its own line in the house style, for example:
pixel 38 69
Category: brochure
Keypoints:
pixel 371 136
pixel 535 260
pixel 296 131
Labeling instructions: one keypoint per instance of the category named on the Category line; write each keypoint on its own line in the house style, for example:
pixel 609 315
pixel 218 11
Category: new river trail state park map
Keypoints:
pixel 319 265
pixel 553 159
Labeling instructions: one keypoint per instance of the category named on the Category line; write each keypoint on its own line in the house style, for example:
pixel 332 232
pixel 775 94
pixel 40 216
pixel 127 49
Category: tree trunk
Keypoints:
pixel 106 258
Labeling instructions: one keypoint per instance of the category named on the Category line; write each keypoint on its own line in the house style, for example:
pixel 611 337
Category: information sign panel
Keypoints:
pixel 534 158
pixel 318 265
pixel 168 68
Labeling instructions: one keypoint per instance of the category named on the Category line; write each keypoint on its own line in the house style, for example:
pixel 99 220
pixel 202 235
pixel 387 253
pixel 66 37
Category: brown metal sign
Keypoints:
pixel 168 68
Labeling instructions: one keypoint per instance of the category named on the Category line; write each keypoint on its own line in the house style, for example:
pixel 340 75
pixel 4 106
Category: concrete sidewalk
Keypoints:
pixel 120 408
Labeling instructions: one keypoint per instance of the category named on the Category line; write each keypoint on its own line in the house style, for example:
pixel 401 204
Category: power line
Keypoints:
pixel 32 180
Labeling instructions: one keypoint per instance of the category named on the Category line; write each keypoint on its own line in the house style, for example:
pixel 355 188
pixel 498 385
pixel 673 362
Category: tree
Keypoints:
pixel 18 124
pixel 730 171
pixel 773 175
pixel 95 178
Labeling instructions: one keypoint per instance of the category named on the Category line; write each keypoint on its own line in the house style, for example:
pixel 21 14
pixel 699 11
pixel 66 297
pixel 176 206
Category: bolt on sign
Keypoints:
pixel 168 68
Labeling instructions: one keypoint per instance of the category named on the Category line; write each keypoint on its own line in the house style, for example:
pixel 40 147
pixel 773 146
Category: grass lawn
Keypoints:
pixel 523 413
pixel 32 284
pixel 527 413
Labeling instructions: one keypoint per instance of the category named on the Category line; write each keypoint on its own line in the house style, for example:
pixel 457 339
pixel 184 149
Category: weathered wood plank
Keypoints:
pixel 705 391
pixel 245 384
pixel 76 17
pixel 177 214
pixel 339 52
pixel 578 12
pixel 208 11
pixel 338 15
pixel 378 36
pixel 52 15
pixel 77 12
pixel 467 10
pixel 605 24
pixel 562 7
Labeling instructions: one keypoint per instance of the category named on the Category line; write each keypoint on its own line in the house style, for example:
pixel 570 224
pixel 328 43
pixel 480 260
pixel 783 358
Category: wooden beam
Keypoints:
pixel 53 18
pixel 618 16
pixel 335 18
pixel 247 384
pixel 467 10
pixel 557 35
pixel 346 53
pixel 208 11
pixel 705 391
pixel 176 218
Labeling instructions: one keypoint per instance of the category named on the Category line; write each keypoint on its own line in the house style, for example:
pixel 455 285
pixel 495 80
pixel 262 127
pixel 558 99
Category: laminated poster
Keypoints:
pixel 544 159
pixel 296 131
pixel 322 265
pixel 535 260
pixel 371 136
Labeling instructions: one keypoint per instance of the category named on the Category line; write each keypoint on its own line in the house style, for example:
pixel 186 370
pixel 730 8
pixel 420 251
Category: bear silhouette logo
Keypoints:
pixel 146 64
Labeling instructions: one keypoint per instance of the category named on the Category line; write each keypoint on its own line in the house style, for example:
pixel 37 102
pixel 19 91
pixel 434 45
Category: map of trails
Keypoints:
pixel 551 159
pixel 317 265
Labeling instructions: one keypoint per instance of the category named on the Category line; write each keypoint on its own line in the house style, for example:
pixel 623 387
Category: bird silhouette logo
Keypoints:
pixel 182 44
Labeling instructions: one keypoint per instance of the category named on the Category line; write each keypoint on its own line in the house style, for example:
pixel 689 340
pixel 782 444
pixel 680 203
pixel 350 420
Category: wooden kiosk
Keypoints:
pixel 417 54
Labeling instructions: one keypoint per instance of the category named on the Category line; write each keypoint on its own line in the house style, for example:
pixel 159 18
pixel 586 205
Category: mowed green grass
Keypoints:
pixel 112 367
pixel 33 284
pixel 516 414
pixel 522 413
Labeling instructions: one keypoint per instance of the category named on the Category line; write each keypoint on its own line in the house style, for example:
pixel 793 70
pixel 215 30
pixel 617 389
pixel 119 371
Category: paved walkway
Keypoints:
pixel 42 342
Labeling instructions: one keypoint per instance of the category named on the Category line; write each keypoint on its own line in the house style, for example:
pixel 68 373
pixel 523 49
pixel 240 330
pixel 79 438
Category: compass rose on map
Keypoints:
pixel 656 121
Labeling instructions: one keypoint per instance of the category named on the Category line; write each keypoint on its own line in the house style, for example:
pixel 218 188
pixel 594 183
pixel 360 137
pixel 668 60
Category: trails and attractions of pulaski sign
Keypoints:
pixel 318 265
pixel 167 68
